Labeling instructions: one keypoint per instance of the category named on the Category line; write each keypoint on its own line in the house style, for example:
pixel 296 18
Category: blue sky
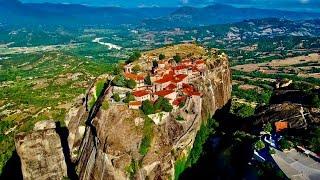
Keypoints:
pixel 280 4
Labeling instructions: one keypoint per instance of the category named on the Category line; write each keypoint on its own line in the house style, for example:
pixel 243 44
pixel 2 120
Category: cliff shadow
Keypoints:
pixel 12 169
pixel 223 156
pixel 63 133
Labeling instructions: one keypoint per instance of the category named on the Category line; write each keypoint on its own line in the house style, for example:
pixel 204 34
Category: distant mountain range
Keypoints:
pixel 13 12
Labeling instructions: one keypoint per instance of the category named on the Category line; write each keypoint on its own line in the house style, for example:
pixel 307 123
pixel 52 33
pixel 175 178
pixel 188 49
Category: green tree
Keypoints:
pixel 116 97
pixel 147 80
pixel 136 68
pixel 259 145
pixel 315 101
pixel 166 106
pixel 177 58
pixel 147 107
pixel 155 64
pixel 116 70
pixel 244 110
pixel 285 144
pixel 315 141
pixel 267 128
pixel 162 56
pixel 120 81
pixel 135 56
pixel 129 97
pixel 131 84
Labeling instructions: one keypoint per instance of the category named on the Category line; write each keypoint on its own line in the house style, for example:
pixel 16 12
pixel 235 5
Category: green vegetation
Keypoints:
pixel 40 86
pixel 131 84
pixel 161 104
pixel 252 95
pixel 147 107
pixel 135 56
pixel 315 141
pixel 177 58
pixel 242 110
pixel 116 97
pixel 203 134
pixel 105 105
pixel 147 80
pixel 136 68
pixel 259 145
pixel 267 128
pixel 132 169
pixel 179 118
pixel 162 56
pixel 129 97
pixel 179 167
pixel 206 130
pixel 315 102
pixel 121 81
pixel 99 87
pixel 285 144
pixel 147 136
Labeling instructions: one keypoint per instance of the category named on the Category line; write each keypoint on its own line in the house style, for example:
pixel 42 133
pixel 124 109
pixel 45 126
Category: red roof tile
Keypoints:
pixel 180 67
pixel 135 103
pixel 135 77
pixel 140 93
pixel 179 100
pixel 163 93
pixel 165 79
pixel 171 87
pixel 200 62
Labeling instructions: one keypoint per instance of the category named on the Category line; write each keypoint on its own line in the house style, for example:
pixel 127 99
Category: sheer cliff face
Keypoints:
pixel 41 153
pixel 111 144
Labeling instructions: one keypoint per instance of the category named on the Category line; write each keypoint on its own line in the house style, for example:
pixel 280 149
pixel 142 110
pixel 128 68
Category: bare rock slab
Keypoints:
pixel 41 153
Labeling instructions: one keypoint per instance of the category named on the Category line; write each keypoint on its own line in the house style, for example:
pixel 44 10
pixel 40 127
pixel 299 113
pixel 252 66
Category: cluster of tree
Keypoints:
pixel 285 144
pixel 135 56
pixel 242 110
pixel 129 97
pixel 252 95
pixel 161 104
pixel 121 81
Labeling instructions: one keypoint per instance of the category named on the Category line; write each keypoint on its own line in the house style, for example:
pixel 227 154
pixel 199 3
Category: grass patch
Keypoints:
pixel 179 167
pixel 147 136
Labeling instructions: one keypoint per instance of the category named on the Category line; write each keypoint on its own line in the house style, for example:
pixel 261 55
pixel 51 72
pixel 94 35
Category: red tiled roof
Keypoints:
pixel 135 77
pixel 141 93
pixel 165 78
pixel 171 87
pixel 196 94
pixel 180 67
pixel 186 61
pixel 135 103
pixel 179 78
pixel 179 100
pixel 200 62
pixel 163 93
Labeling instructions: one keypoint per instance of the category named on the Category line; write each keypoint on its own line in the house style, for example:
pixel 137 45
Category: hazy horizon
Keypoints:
pixel 293 5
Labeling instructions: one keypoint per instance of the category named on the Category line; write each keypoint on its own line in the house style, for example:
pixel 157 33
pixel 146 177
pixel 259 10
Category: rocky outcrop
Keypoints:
pixel 111 145
pixel 41 153
pixel 104 142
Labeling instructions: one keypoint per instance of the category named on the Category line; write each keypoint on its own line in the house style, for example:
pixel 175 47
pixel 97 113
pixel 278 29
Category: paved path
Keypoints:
pixel 296 165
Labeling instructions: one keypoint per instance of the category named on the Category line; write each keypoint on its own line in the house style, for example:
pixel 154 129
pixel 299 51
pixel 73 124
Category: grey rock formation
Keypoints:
pixel 41 153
